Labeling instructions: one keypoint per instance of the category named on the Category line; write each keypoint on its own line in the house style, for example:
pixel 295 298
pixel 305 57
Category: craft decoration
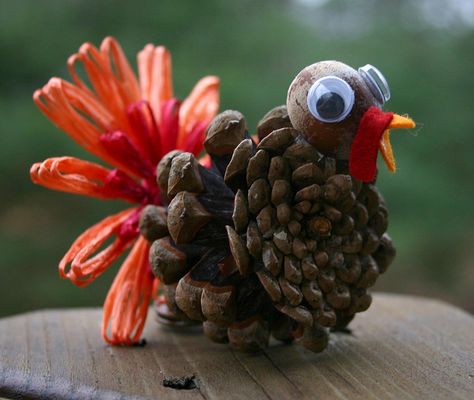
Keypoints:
pixel 279 234
pixel 284 237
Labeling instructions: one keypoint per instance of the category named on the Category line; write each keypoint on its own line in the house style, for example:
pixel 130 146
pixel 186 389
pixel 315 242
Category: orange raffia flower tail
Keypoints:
pixel 130 124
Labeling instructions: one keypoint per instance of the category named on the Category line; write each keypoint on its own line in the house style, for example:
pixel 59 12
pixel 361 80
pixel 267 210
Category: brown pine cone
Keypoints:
pixel 280 238
pixel 271 239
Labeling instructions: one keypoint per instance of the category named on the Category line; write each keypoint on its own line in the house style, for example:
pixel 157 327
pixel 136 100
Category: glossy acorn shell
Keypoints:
pixel 331 139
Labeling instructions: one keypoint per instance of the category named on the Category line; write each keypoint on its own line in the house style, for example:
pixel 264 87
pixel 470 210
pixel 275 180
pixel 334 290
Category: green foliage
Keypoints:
pixel 256 48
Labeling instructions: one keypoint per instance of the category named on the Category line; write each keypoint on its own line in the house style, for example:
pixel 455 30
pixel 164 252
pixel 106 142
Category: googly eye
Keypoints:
pixel 376 82
pixel 330 99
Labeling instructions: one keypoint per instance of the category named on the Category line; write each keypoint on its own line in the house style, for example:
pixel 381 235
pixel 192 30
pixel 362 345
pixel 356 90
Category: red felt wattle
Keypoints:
pixel 365 147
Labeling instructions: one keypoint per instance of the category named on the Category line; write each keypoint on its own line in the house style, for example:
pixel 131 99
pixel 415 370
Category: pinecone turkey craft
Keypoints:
pixel 284 237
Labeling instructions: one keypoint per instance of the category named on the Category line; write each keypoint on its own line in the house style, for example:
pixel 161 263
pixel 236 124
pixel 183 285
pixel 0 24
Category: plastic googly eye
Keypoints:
pixel 330 99
pixel 376 82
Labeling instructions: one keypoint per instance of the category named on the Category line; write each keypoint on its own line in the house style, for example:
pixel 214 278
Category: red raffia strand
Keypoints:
pixel 145 129
pixel 130 124
pixel 126 306
pixel 169 124
pixel 118 143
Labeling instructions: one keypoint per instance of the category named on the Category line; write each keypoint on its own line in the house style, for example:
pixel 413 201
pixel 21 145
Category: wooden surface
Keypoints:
pixel 402 348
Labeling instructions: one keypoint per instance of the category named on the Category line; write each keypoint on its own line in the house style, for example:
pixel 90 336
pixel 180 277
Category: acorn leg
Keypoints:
pixel 168 311
pixel 282 329
pixel 215 332
pixel 250 335
pixel 343 320
pixel 315 338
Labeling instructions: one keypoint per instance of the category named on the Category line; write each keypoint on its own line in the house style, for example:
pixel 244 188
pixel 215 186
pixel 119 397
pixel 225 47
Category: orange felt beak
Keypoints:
pixel 397 122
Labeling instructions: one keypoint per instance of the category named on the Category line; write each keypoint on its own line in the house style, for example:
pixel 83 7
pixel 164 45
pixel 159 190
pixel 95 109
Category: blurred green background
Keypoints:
pixel 425 48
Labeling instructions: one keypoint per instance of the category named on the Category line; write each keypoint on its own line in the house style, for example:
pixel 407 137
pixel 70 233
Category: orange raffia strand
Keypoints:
pixel 161 89
pixel 72 175
pixel 144 61
pixel 114 83
pixel 111 77
pixel 99 74
pixel 154 69
pixel 104 83
pixel 54 103
pixel 64 104
pixel 88 105
pixel 85 266
pixel 129 88
pixel 127 302
pixel 125 79
pixel 200 106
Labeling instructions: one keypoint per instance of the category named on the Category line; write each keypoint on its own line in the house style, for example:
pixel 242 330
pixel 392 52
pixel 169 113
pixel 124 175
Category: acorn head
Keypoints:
pixel 338 110
pixel 326 102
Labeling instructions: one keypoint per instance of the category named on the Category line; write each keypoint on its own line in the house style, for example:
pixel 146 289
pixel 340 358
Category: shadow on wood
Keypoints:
pixel 402 348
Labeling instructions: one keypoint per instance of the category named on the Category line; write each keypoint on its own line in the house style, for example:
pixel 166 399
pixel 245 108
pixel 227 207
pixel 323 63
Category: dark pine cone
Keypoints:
pixel 273 239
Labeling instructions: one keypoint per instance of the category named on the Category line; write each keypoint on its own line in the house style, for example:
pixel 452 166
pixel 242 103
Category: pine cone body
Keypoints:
pixel 273 239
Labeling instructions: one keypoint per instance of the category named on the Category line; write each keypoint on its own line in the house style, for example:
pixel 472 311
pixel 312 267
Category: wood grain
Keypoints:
pixel 402 348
